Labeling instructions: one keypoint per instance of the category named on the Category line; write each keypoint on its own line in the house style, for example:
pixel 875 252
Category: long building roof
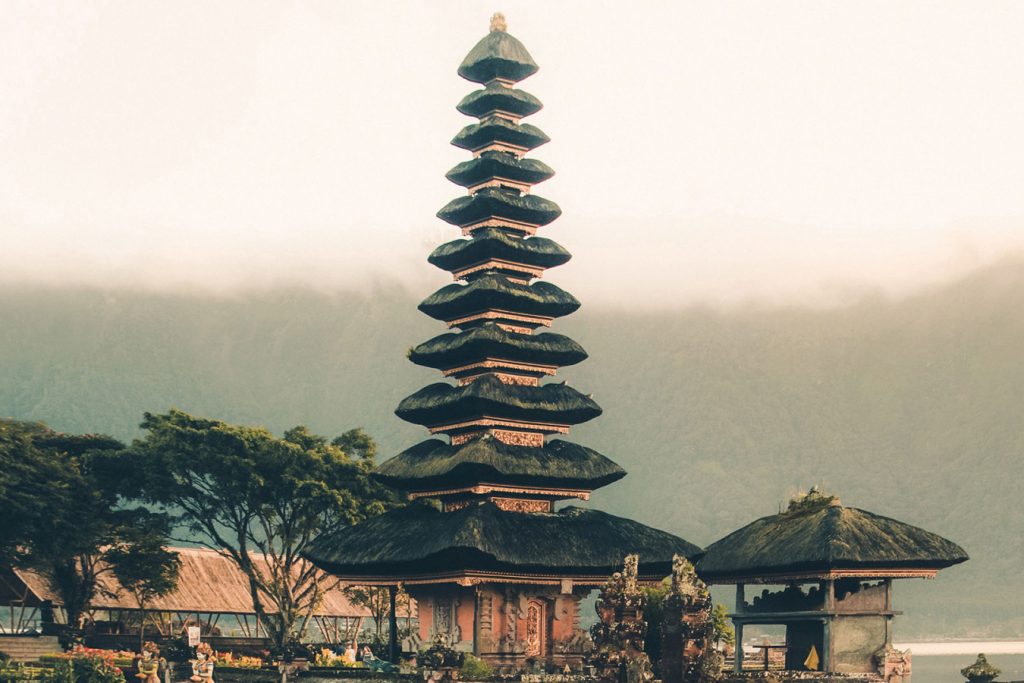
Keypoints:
pixel 208 583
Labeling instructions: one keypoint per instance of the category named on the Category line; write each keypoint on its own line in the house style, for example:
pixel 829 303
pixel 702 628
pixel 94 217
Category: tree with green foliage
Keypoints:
pixel 146 569
pixel 377 601
pixel 61 513
pixel 256 499
pixel 722 632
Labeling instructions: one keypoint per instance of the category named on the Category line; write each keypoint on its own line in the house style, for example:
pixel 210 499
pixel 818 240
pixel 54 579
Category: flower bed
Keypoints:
pixel 230 660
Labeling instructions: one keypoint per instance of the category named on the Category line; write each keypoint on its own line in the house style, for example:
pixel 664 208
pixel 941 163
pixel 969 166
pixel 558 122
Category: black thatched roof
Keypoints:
pixel 496 292
pixel 493 202
pixel 497 55
pixel 487 395
pixel 499 165
pixel 819 535
pixel 498 129
pixel 491 341
pixel 420 540
pixel 497 97
pixel 434 464
pixel 494 243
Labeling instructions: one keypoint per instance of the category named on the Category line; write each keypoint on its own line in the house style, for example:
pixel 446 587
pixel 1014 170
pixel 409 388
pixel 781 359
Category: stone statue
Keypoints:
pixel 202 665
pixel 150 664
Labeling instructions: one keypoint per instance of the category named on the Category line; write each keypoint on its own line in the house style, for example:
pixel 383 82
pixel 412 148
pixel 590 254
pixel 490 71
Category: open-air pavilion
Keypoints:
pixel 212 593
pixel 832 568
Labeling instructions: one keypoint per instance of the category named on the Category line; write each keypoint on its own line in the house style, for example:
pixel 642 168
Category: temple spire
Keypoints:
pixel 496 553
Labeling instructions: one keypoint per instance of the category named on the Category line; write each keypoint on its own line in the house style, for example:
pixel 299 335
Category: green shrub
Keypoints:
pixel 14 673
pixel 475 669
pixel 82 670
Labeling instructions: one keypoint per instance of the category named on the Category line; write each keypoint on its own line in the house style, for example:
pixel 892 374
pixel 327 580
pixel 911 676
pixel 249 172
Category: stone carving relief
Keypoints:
pixel 619 636
pixel 686 655
pixel 535 628
pixel 522 504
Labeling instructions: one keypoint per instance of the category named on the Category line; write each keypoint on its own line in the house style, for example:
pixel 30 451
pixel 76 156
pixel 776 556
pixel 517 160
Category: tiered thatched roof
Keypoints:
pixel 505 405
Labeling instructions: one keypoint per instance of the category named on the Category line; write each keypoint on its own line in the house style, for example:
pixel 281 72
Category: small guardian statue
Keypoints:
pixel 150 663
pixel 202 665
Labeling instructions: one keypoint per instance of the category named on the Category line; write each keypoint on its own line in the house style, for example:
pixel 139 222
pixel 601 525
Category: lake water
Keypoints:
pixel 941 662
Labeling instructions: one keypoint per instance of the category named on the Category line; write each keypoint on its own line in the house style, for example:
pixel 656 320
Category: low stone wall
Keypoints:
pixel 28 648
pixel 224 674
pixel 790 676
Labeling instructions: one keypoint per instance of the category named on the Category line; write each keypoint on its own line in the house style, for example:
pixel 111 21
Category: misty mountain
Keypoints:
pixel 910 408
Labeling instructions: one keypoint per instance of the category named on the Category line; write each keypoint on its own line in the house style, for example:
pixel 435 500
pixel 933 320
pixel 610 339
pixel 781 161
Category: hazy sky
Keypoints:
pixel 705 151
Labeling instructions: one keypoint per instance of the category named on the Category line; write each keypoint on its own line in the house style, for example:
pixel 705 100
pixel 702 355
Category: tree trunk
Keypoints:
pixel 142 623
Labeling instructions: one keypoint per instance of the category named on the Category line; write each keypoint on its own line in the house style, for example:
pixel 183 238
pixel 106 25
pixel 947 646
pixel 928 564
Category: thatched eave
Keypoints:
pixel 492 243
pixel 499 293
pixel 420 539
pixel 491 341
pixel 488 396
pixel 497 97
pixel 434 465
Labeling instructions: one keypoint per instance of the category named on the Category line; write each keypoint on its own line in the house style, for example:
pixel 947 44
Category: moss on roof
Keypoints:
pixel 493 202
pixel 491 341
pixel 497 55
pixel 488 396
pixel 496 292
pixel 420 540
pixel 499 165
pixel 494 243
pixel 498 97
pixel 817 533
pixel 435 464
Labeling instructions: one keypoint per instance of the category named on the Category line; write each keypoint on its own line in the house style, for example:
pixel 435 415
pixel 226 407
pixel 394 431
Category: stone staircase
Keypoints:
pixel 28 648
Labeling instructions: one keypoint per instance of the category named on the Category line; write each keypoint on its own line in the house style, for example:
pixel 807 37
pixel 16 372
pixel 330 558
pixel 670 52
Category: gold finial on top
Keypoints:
pixel 498 22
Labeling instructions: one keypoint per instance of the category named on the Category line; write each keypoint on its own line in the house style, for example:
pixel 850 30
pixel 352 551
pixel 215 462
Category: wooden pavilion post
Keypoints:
pixel 393 625
pixel 738 624
pixel 888 612
pixel 826 629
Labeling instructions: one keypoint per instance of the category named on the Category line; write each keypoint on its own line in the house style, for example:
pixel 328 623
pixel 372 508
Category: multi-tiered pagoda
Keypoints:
pixel 495 568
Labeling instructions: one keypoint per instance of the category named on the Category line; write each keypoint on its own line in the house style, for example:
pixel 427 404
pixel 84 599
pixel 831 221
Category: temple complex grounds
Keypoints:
pixel 469 555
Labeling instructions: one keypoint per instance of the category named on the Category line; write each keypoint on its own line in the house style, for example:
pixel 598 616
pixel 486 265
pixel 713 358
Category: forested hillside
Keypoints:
pixel 909 408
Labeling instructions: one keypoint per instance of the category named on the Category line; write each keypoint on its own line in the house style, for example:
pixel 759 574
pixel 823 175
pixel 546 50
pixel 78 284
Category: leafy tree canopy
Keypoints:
pixel 61 513
pixel 255 498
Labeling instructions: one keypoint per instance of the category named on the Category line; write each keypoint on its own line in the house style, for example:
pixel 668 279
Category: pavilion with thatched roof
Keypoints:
pixel 212 592
pixel 836 564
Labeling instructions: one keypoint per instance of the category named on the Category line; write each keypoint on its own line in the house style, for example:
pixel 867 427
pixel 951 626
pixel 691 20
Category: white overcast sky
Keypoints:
pixel 716 151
